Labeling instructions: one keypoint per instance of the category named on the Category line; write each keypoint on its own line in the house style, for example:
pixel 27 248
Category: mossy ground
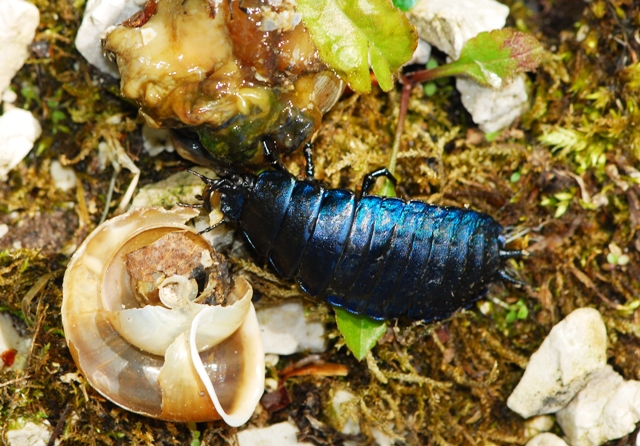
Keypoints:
pixel 565 177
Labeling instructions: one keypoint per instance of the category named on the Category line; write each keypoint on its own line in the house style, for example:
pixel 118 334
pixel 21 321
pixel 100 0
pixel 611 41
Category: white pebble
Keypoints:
pixel 572 352
pixel 546 439
pixel 421 54
pixel 9 96
pixel 98 16
pixel 343 417
pixel 493 108
pixel 537 425
pixel 11 339
pixel 156 141
pixel 18 23
pixel 30 434
pixel 448 24
pixel 281 434
pixel 286 330
pixel 18 131
pixel 607 408
pixel 63 177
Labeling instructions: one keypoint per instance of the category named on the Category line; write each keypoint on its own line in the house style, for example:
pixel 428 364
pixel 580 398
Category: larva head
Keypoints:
pixel 231 190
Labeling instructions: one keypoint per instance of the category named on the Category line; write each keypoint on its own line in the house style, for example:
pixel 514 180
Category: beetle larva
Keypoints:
pixel 379 256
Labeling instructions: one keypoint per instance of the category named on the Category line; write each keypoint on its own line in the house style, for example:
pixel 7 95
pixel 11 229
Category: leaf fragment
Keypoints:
pixel 495 57
pixel 360 333
pixel 350 33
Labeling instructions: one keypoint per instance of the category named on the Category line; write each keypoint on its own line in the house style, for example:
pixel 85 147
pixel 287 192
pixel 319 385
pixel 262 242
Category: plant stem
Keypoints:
pixel 388 188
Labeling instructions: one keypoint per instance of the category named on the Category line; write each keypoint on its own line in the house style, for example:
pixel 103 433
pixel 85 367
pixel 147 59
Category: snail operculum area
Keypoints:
pixel 231 75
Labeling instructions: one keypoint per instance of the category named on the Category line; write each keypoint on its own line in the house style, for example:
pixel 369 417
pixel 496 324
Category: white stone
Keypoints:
pixel 421 54
pixel 285 330
pixel 31 434
pixel 18 131
pixel 343 415
pixel 537 425
pixel 18 23
pixel 63 177
pixel 381 438
pixel 448 24
pixel 98 16
pixel 608 407
pixel 493 108
pixel 572 352
pixel 181 187
pixel 9 96
pixel 4 229
pixel 546 439
pixel 281 434
pixel 156 141
pixel 11 339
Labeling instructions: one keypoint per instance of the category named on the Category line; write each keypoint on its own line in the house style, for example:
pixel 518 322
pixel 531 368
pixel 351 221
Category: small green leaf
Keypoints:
pixel 495 57
pixel 349 33
pixel 523 312
pixel 360 332
pixel 430 88
pixel 492 135
pixel 405 5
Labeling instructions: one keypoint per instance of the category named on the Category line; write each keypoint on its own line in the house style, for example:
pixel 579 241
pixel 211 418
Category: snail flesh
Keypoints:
pixel 230 72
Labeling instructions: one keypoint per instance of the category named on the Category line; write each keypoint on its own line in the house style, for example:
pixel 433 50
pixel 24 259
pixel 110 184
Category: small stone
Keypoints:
pixel 13 347
pixel 493 108
pixel 98 16
pixel 18 23
pixel 18 131
pixel 343 416
pixel 448 24
pixel 546 439
pixel 607 408
pixel 286 330
pixel 572 352
pixel 281 434
pixel 381 438
pixel 537 425
pixel 156 141
pixel 421 54
pixel 30 434
pixel 181 187
pixel 63 177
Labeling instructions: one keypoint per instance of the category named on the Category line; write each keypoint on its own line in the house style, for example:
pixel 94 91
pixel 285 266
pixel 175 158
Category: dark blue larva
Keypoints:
pixel 383 257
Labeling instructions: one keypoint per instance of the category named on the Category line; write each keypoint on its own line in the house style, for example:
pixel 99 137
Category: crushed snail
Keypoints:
pixel 142 317
pixel 232 72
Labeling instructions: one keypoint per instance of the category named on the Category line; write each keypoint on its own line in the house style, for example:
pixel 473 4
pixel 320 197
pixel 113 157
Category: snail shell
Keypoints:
pixel 173 357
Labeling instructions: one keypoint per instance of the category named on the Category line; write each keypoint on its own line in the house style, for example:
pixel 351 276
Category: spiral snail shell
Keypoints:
pixel 158 346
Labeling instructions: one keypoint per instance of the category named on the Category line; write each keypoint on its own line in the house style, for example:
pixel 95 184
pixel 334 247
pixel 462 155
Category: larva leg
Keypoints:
pixel 370 179
pixel 268 146
pixel 308 156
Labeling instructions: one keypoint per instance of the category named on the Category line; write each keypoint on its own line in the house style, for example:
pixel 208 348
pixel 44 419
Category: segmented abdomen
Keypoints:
pixel 384 257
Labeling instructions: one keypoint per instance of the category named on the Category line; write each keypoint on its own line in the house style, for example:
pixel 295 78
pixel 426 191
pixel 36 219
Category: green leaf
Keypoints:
pixel 360 332
pixel 404 5
pixel 495 57
pixel 349 33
